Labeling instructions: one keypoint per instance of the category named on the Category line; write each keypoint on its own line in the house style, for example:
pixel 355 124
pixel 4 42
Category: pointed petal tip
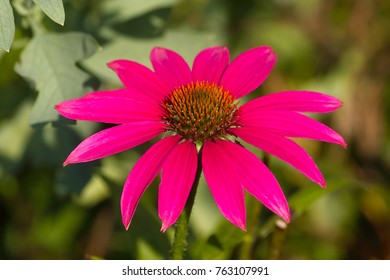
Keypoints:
pixel 243 228
pixel 286 216
pixel 113 65
pixel 126 221
pixel 239 223
pixel 344 144
pixel 320 180
pixel 164 227
pixel 68 161
pixel 283 212
pixel 58 107
pixel 110 64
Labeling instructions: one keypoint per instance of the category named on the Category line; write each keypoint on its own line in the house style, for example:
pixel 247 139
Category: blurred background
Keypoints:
pixel 341 48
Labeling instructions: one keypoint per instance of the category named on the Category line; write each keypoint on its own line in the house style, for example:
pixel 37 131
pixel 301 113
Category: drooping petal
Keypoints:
pixel 143 174
pixel 170 67
pixel 299 101
pixel 210 64
pixel 290 124
pixel 114 140
pixel 248 71
pixel 257 179
pixel 224 183
pixel 177 177
pixel 122 92
pixel 139 79
pixel 107 107
pixel 283 148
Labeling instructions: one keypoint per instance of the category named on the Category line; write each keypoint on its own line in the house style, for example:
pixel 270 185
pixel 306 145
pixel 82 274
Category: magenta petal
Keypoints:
pixel 114 140
pixel 109 108
pixel 122 92
pixel 139 79
pixel 248 71
pixel 283 148
pixel 170 67
pixel 143 174
pixel 210 64
pixel 299 101
pixel 177 177
pixel 257 179
pixel 224 183
pixel 290 124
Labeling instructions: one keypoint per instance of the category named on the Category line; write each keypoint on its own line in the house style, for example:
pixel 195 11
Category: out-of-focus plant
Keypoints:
pixel 52 51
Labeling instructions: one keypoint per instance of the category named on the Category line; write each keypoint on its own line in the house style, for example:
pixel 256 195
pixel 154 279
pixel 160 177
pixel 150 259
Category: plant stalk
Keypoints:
pixel 179 244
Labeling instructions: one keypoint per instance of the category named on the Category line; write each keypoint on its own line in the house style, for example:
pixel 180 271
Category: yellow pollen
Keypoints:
pixel 200 111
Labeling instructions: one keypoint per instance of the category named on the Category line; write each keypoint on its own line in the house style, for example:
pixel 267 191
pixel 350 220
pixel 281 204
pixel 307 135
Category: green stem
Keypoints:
pixel 277 240
pixel 180 238
pixel 31 13
pixel 250 239
pixel 247 248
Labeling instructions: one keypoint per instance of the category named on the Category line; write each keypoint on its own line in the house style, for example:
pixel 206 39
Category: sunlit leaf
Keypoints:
pixel 7 25
pixel 188 43
pixel 49 61
pixel 13 137
pixel 125 9
pixel 54 9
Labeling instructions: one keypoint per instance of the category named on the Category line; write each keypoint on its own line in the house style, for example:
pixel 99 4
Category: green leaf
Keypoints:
pixel 125 9
pixel 301 201
pixel 7 25
pixel 221 244
pixel 49 61
pixel 54 9
pixel 187 43
pixel 14 134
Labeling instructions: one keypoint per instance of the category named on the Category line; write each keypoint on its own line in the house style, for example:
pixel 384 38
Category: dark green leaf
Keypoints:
pixel 7 25
pixel 221 244
pixel 49 61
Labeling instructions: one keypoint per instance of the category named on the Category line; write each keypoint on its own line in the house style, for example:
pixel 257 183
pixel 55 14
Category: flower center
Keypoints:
pixel 200 111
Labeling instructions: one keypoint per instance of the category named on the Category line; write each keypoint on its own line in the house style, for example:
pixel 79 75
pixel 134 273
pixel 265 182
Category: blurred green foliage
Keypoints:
pixel 48 212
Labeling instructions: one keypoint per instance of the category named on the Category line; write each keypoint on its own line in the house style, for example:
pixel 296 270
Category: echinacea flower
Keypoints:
pixel 197 112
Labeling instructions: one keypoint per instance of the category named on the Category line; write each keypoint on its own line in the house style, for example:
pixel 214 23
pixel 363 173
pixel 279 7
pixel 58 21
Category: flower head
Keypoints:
pixel 199 108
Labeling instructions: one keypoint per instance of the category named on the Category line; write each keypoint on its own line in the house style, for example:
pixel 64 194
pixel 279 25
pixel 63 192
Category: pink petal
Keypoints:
pixel 299 101
pixel 109 108
pixel 114 140
pixel 177 177
pixel 257 179
pixel 248 71
pixel 139 79
pixel 224 183
pixel 210 64
pixel 122 92
pixel 143 174
pixel 170 67
pixel 283 148
pixel 290 124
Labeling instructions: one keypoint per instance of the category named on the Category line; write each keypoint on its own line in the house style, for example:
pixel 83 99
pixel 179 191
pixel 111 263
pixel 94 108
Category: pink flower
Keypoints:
pixel 198 110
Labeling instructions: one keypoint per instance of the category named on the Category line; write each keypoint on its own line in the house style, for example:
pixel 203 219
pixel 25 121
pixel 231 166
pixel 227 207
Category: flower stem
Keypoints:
pixel 249 243
pixel 277 240
pixel 180 238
